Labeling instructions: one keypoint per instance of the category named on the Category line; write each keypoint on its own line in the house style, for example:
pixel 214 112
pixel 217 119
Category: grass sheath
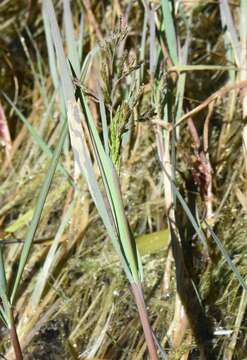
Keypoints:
pixel 142 310
pixel 14 337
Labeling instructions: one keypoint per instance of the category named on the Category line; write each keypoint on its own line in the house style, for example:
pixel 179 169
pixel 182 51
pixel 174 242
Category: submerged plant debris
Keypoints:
pixel 74 301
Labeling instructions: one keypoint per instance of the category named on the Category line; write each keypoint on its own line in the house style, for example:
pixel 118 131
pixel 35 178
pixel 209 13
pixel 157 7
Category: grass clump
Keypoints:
pixel 140 98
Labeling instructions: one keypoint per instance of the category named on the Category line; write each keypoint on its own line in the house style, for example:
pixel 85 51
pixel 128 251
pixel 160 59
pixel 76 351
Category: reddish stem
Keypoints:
pixel 14 338
pixel 138 295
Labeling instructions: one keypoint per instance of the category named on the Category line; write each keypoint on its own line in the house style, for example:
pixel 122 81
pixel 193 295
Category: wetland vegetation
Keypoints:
pixel 123 148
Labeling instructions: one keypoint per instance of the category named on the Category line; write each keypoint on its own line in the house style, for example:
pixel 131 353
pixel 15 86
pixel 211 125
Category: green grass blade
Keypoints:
pixel 70 38
pixel 39 141
pixel 110 179
pixel 187 210
pixel 243 20
pixel 49 260
pixel 3 317
pixel 202 237
pixel 3 291
pixel 85 164
pixel 50 49
pixel 53 63
pixel 79 146
pixel 201 67
pixel 227 21
pixel 81 37
pixel 87 63
pixel 67 85
pixel 104 123
pixel 170 32
pixel 40 66
pixel 181 80
pixel 3 281
pixel 227 257
pixel 38 211
pixel 79 149
pixel 152 48
pixel 140 73
pixel 5 309
pixel 109 176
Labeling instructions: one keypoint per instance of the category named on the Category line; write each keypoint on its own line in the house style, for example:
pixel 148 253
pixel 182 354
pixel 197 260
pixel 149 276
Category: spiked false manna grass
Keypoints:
pixel 79 265
pixel 110 208
pixel 109 202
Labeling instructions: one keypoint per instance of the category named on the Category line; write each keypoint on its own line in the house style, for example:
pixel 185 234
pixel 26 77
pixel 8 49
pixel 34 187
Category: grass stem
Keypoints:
pixel 138 296
pixel 14 338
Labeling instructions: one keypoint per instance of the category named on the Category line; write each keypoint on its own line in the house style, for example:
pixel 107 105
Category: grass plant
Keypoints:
pixel 123 143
